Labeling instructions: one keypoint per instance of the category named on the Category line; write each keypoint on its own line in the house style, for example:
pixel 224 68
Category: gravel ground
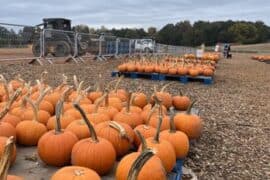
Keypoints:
pixel 236 111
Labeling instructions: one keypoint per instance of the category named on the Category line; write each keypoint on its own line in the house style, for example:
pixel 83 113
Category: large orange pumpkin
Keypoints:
pixel 95 153
pixel 181 102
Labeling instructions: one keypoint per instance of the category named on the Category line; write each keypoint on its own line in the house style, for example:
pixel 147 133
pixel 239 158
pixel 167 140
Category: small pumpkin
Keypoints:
pixel 178 139
pixel 131 118
pixel 181 102
pixel 164 149
pixel 95 152
pixel 141 166
pixel 29 132
pixel 55 146
pixel 75 173
pixel 119 134
pixel 189 123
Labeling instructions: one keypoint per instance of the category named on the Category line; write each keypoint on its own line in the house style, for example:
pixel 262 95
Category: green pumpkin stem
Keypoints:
pixel 139 163
pixel 89 125
pixel 142 139
pixel 190 107
pixel 5 160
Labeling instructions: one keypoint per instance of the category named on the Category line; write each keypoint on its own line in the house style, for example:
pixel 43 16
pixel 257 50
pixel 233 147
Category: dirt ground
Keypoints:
pixel 236 112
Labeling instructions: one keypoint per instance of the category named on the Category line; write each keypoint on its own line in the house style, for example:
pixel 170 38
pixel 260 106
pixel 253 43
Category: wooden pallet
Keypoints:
pixel 162 77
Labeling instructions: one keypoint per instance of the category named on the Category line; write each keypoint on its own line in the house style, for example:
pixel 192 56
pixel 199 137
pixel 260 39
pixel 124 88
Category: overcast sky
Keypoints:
pixel 133 13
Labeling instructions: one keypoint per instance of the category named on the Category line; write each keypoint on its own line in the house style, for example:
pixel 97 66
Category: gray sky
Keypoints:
pixel 133 13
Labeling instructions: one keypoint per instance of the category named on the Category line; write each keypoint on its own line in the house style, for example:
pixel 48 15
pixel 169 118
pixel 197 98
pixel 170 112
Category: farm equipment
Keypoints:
pixel 59 39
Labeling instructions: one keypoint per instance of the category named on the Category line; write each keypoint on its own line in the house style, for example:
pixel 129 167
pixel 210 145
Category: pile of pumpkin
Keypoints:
pixel 207 56
pixel 91 129
pixel 261 58
pixel 170 65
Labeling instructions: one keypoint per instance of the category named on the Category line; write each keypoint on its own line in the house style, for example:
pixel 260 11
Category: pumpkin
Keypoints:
pixel 7 154
pixel 178 139
pixel 55 146
pixel 189 123
pixel 6 129
pixel 119 134
pixel 165 97
pixel 146 130
pixel 141 166
pixel 164 149
pixel 140 99
pixel 95 152
pixel 131 118
pixel 134 109
pixel 79 128
pixel 99 117
pixel 75 172
pixel 43 116
pixel 181 102
pixel 29 132
pixel 119 93
pixel 107 109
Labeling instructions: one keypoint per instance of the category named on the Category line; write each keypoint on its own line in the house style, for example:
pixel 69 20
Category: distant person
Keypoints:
pixel 226 51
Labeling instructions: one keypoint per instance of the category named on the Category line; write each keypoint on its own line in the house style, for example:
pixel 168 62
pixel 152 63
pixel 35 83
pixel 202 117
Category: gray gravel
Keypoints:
pixel 236 111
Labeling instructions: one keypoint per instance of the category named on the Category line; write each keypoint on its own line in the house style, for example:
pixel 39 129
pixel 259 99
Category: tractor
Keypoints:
pixel 59 39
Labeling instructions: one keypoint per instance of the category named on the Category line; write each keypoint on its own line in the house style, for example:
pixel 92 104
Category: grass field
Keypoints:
pixel 253 48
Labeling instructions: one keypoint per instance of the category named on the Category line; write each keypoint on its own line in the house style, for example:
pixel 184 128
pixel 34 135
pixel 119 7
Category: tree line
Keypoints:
pixel 186 34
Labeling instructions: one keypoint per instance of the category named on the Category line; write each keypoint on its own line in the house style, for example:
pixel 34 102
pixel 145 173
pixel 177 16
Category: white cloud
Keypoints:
pixel 130 13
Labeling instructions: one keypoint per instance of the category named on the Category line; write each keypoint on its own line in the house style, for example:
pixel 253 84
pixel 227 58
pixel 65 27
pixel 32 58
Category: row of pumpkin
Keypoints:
pixel 261 57
pixel 91 129
pixel 171 66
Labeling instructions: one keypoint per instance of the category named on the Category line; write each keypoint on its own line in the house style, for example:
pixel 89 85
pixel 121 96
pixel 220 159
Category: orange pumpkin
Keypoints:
pixel 50 145
pixel 29 132
pixel 95 153
pixel 3 142
pixel 120 135
pixel 189 123
pixel 75 172
pixel 181 102
pixel 178 139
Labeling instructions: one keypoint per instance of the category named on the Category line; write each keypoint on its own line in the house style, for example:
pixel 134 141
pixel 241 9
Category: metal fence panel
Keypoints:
pixel 87 44
pixel 123 45
pixel 16 42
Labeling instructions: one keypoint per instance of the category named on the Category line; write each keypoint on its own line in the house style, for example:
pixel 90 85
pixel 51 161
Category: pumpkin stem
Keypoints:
pixel 106 98
pixel 150 114
pixel 75 81
pixel 99 101
pixel 98 85
pixel 156 137
pixel 89 125
pixel 7 107
pixel 42 94
pixel 64 82
pixel 172 125
pixel 58 109
pixel 118 83
pixel 78 172
pixel 142 139
pixel 120 129
pixel 79 87
pixel 181 93
pixel 165 86
pixel 5 84
pixel 6 158
pixel 139 163
pixel 190 107
pixel 109 84
pixel 129 98
pixel 34 107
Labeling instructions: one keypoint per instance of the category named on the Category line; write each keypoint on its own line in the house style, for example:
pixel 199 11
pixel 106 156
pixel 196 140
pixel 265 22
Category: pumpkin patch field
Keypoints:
pixel 68 121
